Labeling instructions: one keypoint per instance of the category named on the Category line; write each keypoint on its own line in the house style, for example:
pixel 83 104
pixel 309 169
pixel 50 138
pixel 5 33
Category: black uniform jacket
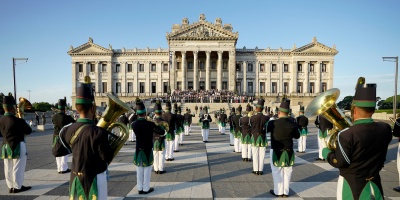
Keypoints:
pixel 60 120
pixel 283 131
pixel 91 151
pixel 323 123
pixel 362 153
pixel 235 120
pixel 13 130
pixel 188 118
pixel 223 118
pixel 230 119
pixel 396 129
pixel 258 124
pixel 144 135
pixel 302 121
pixel 171 119
pixel 244 123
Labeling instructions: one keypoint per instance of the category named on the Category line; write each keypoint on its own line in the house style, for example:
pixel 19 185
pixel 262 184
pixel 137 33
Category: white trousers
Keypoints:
pixel 204 134
pixel 398 161
pixel 14 169
pixel 169 149
pixel 158 160
pixel 223 130
pixel 132 136
pixel 238 145
pixel 62 163
pixel 102 185
pixel 181 138
pixel 219 128
pixel 246 151
pixel 301 143
pixel 231 138
pixel 281 176
pixel 321 145
pixel 176 142
pixel 258 158
pixel 186 130
pixel 143 175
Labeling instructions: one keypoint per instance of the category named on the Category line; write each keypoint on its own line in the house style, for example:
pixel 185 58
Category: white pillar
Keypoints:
pixel 306 67
pixel 268 84
pixel 293 71
pixel 232 70
pixel 219 70
pixel 75 77
pixel 135 78
pixel 257 82
pixel 208 70
pixel 244 76
pixel 172 79
pixel 159 66
pixel 183 70
pixel 98 76
pixel 147 84
pixel 318 73
pixel 123 79
pixel 330 72
pixel 109 76
pixel 195 62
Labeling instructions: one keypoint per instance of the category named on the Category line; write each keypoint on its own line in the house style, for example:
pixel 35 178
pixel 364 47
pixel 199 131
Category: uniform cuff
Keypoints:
pixel 325 152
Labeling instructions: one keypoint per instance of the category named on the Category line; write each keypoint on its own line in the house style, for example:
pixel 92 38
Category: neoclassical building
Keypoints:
pixel 203 55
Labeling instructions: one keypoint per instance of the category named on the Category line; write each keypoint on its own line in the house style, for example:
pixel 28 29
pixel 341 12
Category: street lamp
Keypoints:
pixel 14 59
pixel 394 59
pixel 29 97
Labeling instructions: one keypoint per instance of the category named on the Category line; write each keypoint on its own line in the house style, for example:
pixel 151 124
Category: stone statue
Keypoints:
pixel 109 46
pixel 202 17
pixel 90 40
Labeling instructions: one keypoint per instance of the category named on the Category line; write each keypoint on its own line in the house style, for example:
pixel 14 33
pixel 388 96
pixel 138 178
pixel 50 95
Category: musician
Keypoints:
pixel 13 149
pixel 283 130
pixel 396 133
pixel 196 108
pixel 302 122
pixel 245 127
pixel 132 117
pixel 181 130
pixel 187 121
pixel 231 127
pixel 143 158
pixel 170 137
pixel 361 149
pixel 223 119
pixel 324 126
pixel 237 132
pixel 178 129
pixel 90 149
pixel 59 120
pixel 205 119
pixel 216 116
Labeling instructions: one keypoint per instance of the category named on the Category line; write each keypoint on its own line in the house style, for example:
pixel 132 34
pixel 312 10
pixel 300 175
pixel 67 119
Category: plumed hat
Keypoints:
pixel 84 93
pixel 140 108
pixel 301 108
pixel 157 107
pixel 285 106
pixel 365 96
pixel 62 103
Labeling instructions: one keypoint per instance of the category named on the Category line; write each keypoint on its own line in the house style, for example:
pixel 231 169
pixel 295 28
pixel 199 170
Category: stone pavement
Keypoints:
pixel 200 171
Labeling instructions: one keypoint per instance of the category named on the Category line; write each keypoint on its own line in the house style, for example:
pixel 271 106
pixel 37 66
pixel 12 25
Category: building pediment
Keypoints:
pixel 315 47
pixel 202 30
pixel 90 48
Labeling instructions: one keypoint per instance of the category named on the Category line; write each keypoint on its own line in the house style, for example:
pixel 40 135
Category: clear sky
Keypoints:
pixel 363 32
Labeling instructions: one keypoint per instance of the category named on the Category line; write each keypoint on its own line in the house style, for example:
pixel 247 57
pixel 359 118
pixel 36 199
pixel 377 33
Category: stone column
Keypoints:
pixel 318 76
pixel 172 77
pixel 75 77
pixel 244 76
pixel 159 84
pixel 268 84
pixel 183 70
pixel 208 53
pixel 306 67
pixel 86 71
pixel 98 77
pixel 293 80
pixel 195 70
pixel 232 70
pixel 110 77
pixel 123 80
pixel 219 70
pixel 279 66
pixel 135 78
pixel 257 82
pixel 147 84
pixel 330 72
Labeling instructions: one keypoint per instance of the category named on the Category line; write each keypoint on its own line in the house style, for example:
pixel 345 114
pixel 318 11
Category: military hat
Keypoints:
pixel 188 110
pixel 301 108
pixel 168 105
pixel 285 106
pixel 179 110
pixel 8 101
pixel 239 109
pixel 233 109
pixel 140 108
pixel 62 103
pixel 205 111
pixel 260 103
pixel 248 107
pixel 365 96
pixel 157 107
pixel 84 94
pixel 269 109
pixel 175 106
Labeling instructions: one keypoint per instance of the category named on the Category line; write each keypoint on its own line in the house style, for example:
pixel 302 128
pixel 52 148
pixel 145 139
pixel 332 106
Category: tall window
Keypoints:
pixel 165 67
pixel 80 67
pixel 129 67
pixel 213 85
pixel 190 84
pixel 118 87
pixel 324 86
pixel 262 67
pixel 225 65
pixel 179 85
pixel 130 87
pixel 201 65
pixel 92 68
pixel 141 87
pixel 153 87
pixel 165 87
pixel 311 67
pixel 250 87
pixel 285 87
pixel 273 68
pixel 141 67
pixel 299 67
pixel 224 85
pixel 323 67
pixel 178 65
pixel 299 87
pixel 238 67
pixel 103 67
pixel 250 67
pixel 117 68
pixel 274 88
pixel 190 65
pixel 213 65
pixel 103 87
pixel 312 90
pixel 262 87
pixel 153 67
pixel 285 68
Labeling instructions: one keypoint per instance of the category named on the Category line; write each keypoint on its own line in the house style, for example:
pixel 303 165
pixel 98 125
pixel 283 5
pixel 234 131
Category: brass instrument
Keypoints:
pixel 392 119
pixel 23 105
pixel 107 121
pixel 324 104
pixel 56 110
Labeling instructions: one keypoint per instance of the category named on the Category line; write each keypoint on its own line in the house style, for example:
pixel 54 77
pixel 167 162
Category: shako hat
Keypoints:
pixel 301 108
pixel 233 109
pixel 8 101
pixel 157 107
pixel 285 106
pixel 84 93
pixel 260 103
pixel 239 109
pixel 168 105
pixel 248 107
pixel 140 108
pixel 365 96
pixel 62 103
pixel 175 106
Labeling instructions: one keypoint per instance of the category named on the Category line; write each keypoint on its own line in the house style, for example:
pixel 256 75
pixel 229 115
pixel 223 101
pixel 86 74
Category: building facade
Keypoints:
pixel 203 55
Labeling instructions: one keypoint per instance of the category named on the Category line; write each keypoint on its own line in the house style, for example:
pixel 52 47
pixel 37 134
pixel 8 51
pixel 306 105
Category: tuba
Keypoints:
pixel 23 105
pixel 324 104
pixel 107 121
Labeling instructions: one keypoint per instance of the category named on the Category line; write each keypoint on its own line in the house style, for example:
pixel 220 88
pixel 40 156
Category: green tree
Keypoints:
pixel 345 103
pixel 42 106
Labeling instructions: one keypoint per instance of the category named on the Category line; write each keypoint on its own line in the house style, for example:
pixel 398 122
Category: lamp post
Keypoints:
pixel 15 89
pixel 29 97
pixel 394 59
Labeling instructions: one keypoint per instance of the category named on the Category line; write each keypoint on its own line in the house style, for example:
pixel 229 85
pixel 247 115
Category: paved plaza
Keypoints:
pixel 200 171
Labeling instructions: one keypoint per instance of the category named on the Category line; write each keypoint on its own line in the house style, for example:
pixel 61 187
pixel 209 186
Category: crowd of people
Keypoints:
pixel 207 96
